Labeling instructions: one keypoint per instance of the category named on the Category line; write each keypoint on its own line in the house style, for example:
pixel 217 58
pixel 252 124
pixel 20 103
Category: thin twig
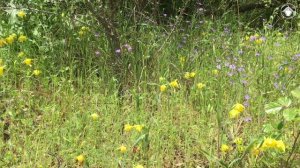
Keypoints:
pixel 293 148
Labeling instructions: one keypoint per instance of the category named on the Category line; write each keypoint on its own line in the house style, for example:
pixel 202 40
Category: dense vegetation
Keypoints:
pixel 148 84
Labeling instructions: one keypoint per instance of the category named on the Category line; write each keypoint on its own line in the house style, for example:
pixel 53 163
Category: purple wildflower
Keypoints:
pixel 232 67
pixel 247 97
pixel 241 69
pixel 296 57
pixel 248 119
pixel 246 104
pixel 252 38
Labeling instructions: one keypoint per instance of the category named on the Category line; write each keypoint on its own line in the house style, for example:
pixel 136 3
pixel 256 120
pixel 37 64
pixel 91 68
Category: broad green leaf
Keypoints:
pixel 284 101
pixel 291 114
pixel 296 92
pixel 273 108
pixel 280 125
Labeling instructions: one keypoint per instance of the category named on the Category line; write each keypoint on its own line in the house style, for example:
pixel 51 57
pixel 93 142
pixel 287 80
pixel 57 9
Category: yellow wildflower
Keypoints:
pixel 123 149
pixel 192 74
pixel 238 141
pixel 255 151
pixel 288 70
pixel 81 33
pixel 28 61
pixel 128 127
pixel 94 116
pixel 200 86
pixel 1 70
pixel 80 159
pixel 84 28
pixel 21 54
pixel 273 143
pixel 37 72
pixel 215 72
pixel 182 60
pixel 189 75
pixel 174 84
pixel 258 41
pixel 21 14
pixel 234 113
pixel 2 42
pixel 225 148
pixel 239 107
pixel 163 88
pixel 22 38
pixel 138 166
pixel 247 38
pixel 138 128
pixel 269 143
pixel 280 146
pixel 10 39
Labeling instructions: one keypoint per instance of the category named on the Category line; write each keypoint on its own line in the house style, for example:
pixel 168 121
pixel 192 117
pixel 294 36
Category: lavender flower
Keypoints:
pixel 232 67
pixel 247 97
pixel 248 119
pixel 241 69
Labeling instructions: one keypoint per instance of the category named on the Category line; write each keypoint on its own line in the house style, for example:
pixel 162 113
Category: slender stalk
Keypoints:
pixel 293 148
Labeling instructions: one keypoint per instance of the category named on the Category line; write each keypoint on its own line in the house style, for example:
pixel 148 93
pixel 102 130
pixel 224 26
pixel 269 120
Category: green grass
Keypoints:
pixel 49 115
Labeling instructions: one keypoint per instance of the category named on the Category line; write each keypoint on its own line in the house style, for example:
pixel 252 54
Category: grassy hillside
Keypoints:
pixel 202 94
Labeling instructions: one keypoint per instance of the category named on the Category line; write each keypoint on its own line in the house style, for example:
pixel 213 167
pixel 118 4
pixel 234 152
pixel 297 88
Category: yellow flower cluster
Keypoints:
pixel 189 75
pixel 273 143
pixel 80 159
pixel 83 31
pixel 94 116
pixel 1 70
pixel 200 86
pixel 269 143
pixel 27 61
pixel 174 84
pixel 123 149
pixel 163 88
pixel 215 72
pixel 11 39
pixel 139 166
pixel 237 109
pixel 21 14
pixel 128 127
pixel 225 148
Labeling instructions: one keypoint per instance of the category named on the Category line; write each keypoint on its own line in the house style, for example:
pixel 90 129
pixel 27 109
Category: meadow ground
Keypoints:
pixel 205 95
